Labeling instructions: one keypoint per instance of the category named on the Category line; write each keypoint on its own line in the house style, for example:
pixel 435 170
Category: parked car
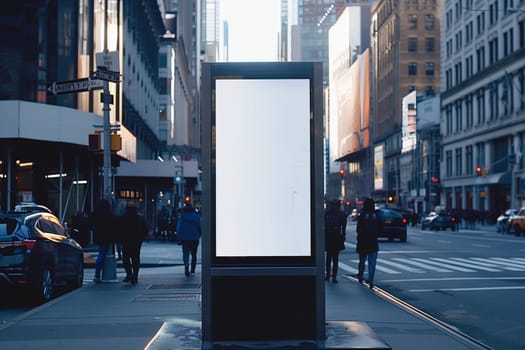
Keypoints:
pixel 30 207
pixel 441 221
pixel 502 222
pixel 517 222
pixel 36 253
pixel 394 224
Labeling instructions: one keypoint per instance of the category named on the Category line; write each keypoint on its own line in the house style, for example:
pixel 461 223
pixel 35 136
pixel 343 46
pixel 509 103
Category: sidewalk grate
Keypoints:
pixel 175 286
pixel 169 297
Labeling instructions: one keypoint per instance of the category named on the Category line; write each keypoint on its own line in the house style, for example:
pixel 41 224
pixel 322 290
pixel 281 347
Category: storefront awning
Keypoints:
pixel 493 179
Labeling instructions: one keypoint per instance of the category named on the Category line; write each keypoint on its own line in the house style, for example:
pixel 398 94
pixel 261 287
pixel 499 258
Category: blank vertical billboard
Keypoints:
pixel 263 168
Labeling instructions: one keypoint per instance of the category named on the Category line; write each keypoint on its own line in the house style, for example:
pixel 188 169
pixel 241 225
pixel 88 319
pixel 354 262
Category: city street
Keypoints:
pixel 473 280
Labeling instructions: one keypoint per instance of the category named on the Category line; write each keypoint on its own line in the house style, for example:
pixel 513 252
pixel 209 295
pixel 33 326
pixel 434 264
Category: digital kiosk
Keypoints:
pixel 262 243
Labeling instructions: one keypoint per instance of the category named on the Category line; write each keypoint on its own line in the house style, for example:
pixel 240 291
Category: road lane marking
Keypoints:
pixel 476 289
pixel 439 279
pixel 402 267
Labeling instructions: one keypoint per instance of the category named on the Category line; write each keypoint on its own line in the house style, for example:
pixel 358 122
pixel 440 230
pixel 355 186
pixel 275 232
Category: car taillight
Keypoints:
pixel 405 221
pixel 29 244
pixel 452 219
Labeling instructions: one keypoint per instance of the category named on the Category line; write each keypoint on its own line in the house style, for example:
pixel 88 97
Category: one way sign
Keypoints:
pixel 66 87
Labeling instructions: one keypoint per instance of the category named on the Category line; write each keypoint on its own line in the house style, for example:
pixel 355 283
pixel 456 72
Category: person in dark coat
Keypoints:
pixel 134 231
pixel 102 223
pixel 335 235
pixel 368 226
pixel 189 233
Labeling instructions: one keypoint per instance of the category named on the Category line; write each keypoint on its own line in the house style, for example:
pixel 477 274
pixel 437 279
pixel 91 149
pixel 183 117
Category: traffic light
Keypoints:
pixel 342 173
pixel 481 171
pixel 390 199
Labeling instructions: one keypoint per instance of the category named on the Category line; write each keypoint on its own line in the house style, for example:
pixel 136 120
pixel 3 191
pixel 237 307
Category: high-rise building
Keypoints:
pixel 405 42
pixel 483 105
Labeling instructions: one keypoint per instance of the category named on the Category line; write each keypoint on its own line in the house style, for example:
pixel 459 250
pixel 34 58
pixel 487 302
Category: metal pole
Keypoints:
pixel 109 271
pixel 107 144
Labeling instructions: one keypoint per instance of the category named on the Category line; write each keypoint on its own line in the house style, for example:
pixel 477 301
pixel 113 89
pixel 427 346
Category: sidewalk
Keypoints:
pixel 163 311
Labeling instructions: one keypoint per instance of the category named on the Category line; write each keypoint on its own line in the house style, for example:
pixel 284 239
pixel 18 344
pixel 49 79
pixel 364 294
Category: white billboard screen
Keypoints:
pixel 262 168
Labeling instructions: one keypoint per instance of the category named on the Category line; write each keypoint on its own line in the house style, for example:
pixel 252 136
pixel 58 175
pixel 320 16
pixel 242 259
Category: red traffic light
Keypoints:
pixel 435 179
pixel 479 170
pixel 342 172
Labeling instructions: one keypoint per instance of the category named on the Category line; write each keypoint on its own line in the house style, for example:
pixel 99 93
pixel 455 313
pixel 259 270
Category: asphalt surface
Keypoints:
pixel 163 311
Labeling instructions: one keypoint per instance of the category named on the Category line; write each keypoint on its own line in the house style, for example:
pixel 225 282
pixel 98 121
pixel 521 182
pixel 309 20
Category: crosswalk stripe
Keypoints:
pixel 477 265
pixel 381 268
pixel 397 265
pixel 468 264
pixel 401 266
pixel 448 266
pixel 503 265
pixel 509 262
pixel 422 265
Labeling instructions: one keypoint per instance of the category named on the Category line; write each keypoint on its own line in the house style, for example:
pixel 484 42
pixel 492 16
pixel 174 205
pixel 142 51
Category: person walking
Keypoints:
pixel 335 235
pixel 189 233
pixel 368 225
pixel 134 230
pixel 102 223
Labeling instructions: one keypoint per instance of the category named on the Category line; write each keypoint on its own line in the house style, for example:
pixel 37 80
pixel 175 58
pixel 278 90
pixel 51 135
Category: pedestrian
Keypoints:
pixel 102 223
pixel 189 233
pixel 334 237
pixel 134 231
pixel 368 226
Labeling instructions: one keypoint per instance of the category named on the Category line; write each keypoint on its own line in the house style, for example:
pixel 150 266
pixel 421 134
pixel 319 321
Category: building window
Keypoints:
pixel 459 162
pixel 469 66
pixel 481 106
pixel 429 22
pixel 429 91
pixel 430 45
pixel 521 35
pixel 469 32
pixel 493 51
pixel 448 162
pixel 459 41
pixel 493 101
pixel 449 124
pixel 412 68
pixel 469 160
pixel 480 58
pixel 412 44
pixel 480 23
pixel 459 116
pixel 429 69
pixel 469 111
pixel 412 22
pixel 458 71
pixel 522 88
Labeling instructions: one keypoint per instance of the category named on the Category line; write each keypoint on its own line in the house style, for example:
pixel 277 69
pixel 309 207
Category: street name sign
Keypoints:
pixel 79 85
pixel 107 75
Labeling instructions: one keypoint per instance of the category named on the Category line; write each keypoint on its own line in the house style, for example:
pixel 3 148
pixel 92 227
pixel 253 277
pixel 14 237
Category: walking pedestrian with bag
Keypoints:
pixel 103 224
pixel 335 235
pixel 189 233
pixel 368 226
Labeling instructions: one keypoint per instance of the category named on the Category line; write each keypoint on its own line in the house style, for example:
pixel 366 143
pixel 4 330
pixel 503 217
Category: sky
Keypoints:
pixel 253 28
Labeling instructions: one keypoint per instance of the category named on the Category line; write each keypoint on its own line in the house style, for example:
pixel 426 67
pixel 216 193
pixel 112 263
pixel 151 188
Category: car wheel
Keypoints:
pixel 79 278
pixel 44 289
pixel 403 238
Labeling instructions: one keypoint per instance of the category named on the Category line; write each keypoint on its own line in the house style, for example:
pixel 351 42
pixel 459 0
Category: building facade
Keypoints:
pixel 405 40
pixel 483 105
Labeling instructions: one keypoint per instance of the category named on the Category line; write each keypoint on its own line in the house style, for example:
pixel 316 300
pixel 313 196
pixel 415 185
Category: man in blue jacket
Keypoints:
pixel 189 233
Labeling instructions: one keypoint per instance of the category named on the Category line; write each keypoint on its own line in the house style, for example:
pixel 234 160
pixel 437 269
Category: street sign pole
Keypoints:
pixel 109 271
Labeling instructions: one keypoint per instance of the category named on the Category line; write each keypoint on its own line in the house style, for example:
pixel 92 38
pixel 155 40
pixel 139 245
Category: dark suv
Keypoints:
pixel 36 253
